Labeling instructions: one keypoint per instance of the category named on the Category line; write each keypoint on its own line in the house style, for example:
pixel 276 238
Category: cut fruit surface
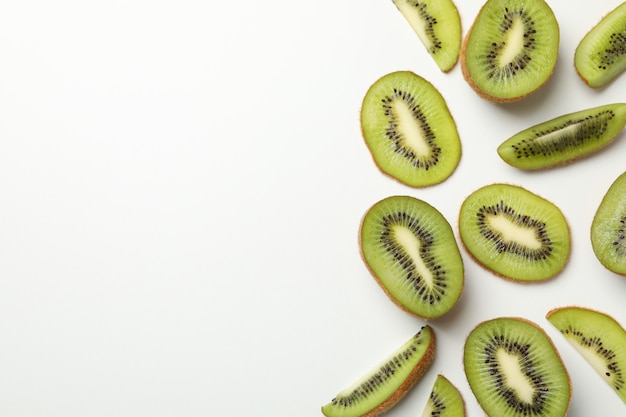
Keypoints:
pixel 445 400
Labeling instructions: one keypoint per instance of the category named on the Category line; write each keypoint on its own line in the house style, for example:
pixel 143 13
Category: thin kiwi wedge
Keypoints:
pixel 383 386
pixel 438 26
pixel 410 249
pixel 409 130
pixel 601 55
pixel 445 400
pixel 608 228
pixel 511 49
pixel 514 370
pixel 515 233
pixel 564 139
pixel 599 338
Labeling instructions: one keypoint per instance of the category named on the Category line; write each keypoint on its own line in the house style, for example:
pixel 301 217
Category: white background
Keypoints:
pixel 181 185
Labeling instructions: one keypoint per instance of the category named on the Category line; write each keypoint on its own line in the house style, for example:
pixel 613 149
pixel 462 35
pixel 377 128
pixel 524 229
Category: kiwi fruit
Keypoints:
pixel 410 249
pixel 608 228
pixel 409 130
pixel 445 400
pixel 438 26
pixel 514 369
pixel 599 338
pixel 601 55
pixel 565 138
pixel 511 49
pixel 383 386
pixel 515 233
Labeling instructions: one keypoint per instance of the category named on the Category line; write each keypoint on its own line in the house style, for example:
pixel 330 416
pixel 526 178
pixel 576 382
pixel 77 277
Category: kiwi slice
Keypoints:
pixel 385 385
pixel 601 55
pixel 410 249
pixel 514 232
pixel 445 400
pixel 409 130
pixel 599 338
pixel 438 26
pixel 511 49
pixel 565 138
pixel 514 370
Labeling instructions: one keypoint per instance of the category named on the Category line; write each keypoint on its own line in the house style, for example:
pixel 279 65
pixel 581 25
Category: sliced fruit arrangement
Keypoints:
pixel 410 249
pixel 409 130
pixel 382 387
pixel 608 228
pixel 514 232
pixel 565 138
pixel 438 26
pixel 445 400
pixel 599 338
pixel 511 49
pixel 601 55
pixel 514 370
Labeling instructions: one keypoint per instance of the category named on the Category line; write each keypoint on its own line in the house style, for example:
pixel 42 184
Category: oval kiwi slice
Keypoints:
pixel 514 370
pixel 511 49
pixel 514 233
pixel 445 400
pixel 599 338
pixel 410 249
pixel 565 138
pixel 409 130
pixel 382 387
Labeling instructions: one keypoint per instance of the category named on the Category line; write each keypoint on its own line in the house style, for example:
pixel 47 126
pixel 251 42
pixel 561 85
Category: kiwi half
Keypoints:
pixel 565 138
pixel 599 338
pixel 410 249
pixel 514 232
pixel 438 26
pixel 511 49
pixel 382 387
pixel 445 400
pixel 608 228
pixel 409 130
pixel 601 55
pixel 514 370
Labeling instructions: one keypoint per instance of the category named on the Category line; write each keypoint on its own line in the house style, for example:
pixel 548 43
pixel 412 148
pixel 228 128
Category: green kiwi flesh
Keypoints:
pixel 511 49
pixel 601 55
pixel 565 138
pixel 599 338
pixel 445 400
pixel 514 370
pixel 608 228
pixel 409 130
pixel 438 26
pixel 410 249
pixel 515 233
pixel 381 388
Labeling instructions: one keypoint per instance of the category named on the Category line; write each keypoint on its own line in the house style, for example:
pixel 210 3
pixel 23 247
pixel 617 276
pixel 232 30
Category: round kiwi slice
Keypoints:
pixel 438 26
pixel 608 228
pixel 411 251
pixel 514 233
pixel 601 55
pixel 381 388
pixel 599 338
pixel 409 130
pixel 514 370
pixel 445 400
pixel 511 49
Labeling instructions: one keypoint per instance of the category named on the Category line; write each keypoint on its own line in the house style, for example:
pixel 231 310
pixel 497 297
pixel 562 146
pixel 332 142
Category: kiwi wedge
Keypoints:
pixel 511 49
pixel 608 228
pixel 409 130
pixel 515 233
pixel 438 26
pixel 514 369
pixel 410 249
pixel 445 400
pixel 564 139
pixel 601 55
pixel 599 338
pixel 383 386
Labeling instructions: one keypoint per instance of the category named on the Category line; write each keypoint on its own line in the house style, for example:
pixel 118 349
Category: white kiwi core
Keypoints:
pixel 513 376
pixel 410 131
pixel 411 14
pixel 514 43
pixel 412 246
pixel 511 232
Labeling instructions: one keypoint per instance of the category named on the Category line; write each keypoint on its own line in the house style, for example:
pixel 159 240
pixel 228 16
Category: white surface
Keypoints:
pixel 181 185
